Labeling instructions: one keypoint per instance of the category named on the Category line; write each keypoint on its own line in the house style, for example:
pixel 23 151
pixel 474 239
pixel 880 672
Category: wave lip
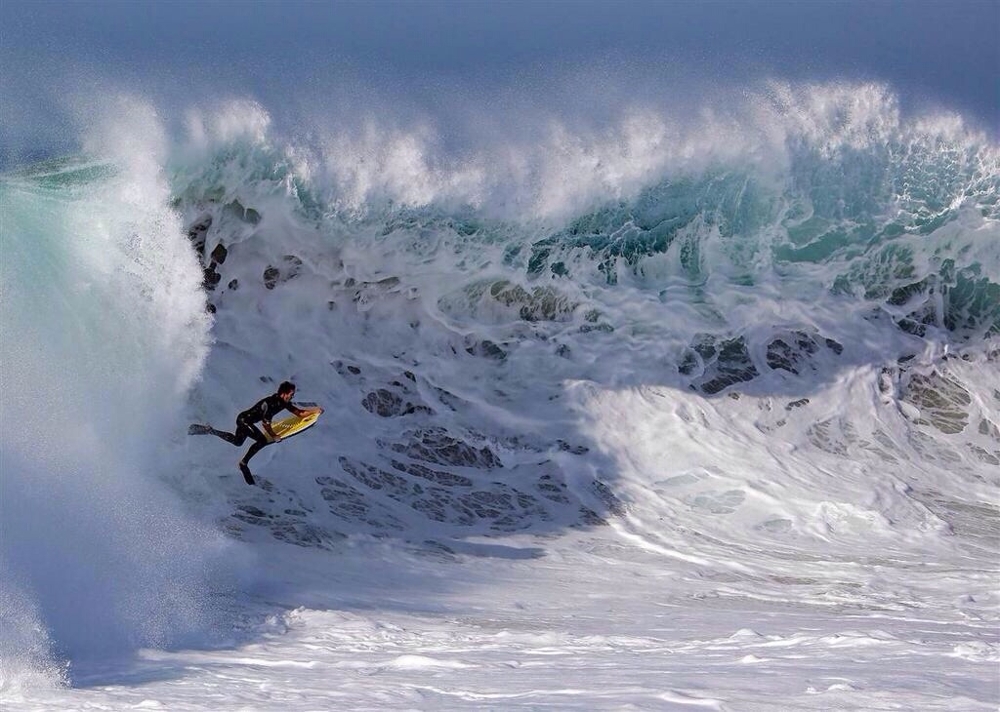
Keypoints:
pixel 105 332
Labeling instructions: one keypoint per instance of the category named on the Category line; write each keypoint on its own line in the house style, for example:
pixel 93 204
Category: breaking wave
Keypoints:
pixel 711 335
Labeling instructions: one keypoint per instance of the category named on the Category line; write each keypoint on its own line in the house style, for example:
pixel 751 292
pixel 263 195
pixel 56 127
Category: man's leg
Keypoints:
pixel 237 438
pixel 260 442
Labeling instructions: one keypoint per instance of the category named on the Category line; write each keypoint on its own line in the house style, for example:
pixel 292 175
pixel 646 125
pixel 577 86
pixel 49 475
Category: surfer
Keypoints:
pixel 261 412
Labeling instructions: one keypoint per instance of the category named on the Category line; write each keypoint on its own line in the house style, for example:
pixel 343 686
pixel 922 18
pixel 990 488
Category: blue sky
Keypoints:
pixel 932 53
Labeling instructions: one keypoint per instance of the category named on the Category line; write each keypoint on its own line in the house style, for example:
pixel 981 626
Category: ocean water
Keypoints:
pixel 750 361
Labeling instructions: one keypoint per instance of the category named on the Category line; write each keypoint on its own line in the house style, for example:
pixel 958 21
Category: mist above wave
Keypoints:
pixel 531 161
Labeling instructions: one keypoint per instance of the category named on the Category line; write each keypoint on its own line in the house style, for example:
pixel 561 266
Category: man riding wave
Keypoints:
pixel 263 411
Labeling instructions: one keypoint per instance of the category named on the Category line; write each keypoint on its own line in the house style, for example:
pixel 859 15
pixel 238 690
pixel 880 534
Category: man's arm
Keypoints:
pixel 266 424
pixel 303 412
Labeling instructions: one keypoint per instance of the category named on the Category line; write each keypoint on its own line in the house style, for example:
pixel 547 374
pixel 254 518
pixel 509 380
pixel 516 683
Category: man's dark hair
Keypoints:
pixel 286 386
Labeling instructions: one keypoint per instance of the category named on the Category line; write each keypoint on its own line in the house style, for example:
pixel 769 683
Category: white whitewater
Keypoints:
pixel 652 417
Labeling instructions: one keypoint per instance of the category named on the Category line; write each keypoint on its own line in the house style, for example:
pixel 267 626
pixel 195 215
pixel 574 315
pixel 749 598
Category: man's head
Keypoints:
pixel 286 390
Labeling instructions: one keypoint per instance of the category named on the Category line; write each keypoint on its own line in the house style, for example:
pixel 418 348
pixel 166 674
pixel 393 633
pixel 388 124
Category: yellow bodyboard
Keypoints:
pixel 293 424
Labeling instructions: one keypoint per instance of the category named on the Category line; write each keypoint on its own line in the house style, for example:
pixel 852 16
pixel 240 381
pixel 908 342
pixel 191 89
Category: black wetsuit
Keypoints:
pixel 264 409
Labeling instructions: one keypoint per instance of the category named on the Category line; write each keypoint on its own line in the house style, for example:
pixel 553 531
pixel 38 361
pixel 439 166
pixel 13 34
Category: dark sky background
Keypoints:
pixel 933 54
